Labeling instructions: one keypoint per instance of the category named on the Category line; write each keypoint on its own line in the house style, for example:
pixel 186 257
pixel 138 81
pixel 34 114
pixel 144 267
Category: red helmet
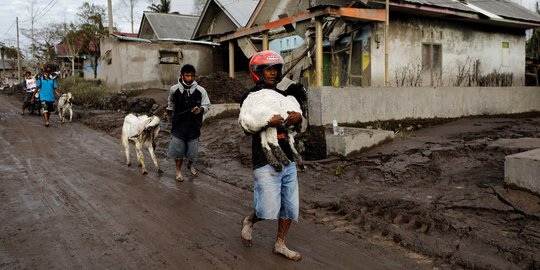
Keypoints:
pixel 261 60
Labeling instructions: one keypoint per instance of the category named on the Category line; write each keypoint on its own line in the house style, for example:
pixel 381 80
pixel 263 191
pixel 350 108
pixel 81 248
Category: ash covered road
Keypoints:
pixel 69 202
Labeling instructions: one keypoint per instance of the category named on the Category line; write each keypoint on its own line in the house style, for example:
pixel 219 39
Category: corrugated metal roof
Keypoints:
pixel 239 11
pixel 166 25
pixel 504 8
pixel 507 9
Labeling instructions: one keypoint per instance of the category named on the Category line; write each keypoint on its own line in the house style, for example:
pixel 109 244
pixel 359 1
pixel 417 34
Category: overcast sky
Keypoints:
pixel 59 11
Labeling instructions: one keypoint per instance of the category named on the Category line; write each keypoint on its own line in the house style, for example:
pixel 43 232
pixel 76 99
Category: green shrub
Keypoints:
pixel 85 93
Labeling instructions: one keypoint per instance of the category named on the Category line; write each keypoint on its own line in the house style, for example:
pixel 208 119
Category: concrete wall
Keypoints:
pixel 462 44
pixel 356 104
pixel 136 65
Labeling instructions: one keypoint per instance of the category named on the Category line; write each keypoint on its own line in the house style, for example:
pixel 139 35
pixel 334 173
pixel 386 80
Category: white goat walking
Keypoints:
pixel 257 109
pixel 142 131
pixel 65 104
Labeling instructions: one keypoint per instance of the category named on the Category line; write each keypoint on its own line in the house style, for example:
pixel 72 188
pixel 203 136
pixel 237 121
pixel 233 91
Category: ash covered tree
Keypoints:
pixel 92 18
pixel 533 44
pixel 163 7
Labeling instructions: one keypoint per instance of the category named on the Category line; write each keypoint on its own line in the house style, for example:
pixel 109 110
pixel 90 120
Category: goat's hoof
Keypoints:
pixel 139 165
pixel 301 167
pixel 159 171
pixel 145 173
pixel 129 164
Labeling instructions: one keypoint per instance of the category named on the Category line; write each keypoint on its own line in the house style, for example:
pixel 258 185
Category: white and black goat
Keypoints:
pixel 141 131
pixel 64 106
pixel 257 109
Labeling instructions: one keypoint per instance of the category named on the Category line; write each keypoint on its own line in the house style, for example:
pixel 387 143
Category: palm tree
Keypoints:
pixel 163 7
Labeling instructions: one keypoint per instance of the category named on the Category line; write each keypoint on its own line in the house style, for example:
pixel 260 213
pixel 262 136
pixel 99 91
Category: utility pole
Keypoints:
pixel 2 52
pixel 18 53
pixel 386 26
pixel 109 2
pixel 33 18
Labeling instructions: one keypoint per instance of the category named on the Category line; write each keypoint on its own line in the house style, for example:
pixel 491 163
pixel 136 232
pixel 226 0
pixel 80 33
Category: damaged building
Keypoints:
pixel 349 43
pixel 153 58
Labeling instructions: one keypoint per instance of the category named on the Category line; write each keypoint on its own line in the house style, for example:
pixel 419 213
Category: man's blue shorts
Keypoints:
pixel 180 149
pixel 276 193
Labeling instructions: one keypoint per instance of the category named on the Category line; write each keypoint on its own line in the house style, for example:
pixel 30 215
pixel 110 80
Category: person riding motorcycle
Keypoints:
pixel 33 106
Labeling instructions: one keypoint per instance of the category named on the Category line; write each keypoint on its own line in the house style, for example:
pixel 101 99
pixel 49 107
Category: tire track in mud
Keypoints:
pixel 437 201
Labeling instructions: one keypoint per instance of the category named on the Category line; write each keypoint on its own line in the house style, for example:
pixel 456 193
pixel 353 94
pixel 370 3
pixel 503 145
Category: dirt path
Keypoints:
pixel 69 202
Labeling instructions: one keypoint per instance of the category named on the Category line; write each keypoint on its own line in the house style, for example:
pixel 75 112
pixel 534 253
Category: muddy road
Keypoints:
pixel 434 198
pixel 69 202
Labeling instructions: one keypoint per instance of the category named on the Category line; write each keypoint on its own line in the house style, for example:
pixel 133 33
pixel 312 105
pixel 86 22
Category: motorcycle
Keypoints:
pixel 35 105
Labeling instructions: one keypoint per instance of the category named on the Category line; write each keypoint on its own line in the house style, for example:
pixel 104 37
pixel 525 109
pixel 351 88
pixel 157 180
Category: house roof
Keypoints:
pixel 270 10
pixel 238 11
pixel 63 49
pixel 503 8
pixel 495 10
pixel 126 34
pixel 222 16
pixel 167 25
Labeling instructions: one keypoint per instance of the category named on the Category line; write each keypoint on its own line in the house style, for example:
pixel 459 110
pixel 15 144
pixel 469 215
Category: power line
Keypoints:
pixel 9 29
pixel 47 8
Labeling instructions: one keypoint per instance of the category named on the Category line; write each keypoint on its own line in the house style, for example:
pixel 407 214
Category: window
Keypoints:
pixel 169 57
pixel 431 63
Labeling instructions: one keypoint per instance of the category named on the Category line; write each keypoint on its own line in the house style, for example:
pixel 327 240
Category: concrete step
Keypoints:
pixel 523 170
pixel 355 140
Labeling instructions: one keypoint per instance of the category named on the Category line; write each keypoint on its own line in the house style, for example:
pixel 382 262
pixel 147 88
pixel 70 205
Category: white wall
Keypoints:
pixel 357 104
pixel 135 65
pixel 460 42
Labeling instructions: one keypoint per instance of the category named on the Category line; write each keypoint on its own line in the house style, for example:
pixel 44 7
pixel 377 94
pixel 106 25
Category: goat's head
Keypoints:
pixel 69 98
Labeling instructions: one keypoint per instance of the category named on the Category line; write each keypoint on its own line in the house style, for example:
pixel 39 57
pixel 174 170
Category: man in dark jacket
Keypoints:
pixel 187 103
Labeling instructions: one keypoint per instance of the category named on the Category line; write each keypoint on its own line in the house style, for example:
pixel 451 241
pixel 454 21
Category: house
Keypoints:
pixel 71 61
pixel 154 57
pixel 429 42
pixel 221 17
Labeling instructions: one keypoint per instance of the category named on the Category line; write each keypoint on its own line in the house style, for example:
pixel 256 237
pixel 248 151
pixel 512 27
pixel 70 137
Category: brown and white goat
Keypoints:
pixel 141 131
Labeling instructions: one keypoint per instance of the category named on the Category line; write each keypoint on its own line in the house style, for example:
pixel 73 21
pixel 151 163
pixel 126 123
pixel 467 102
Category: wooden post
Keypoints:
pixel 318 53
pixel 231 58
pixel 265 45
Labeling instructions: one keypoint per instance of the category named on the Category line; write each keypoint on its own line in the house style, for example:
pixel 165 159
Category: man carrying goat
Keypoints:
pixel 187 103
pixel 275 191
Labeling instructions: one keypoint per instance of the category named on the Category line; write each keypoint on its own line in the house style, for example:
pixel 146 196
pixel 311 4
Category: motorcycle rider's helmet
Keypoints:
pixel 48 70
pixel 264 59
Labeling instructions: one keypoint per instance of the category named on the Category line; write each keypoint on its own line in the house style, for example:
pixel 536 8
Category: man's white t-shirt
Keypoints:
pixel 30 84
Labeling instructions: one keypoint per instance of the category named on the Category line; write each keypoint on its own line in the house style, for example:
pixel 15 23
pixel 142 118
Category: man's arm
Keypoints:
pixel 205 102
pixel 170 103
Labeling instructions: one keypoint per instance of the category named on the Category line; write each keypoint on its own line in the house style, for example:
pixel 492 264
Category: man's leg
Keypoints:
pixel 247 228
pixel 46 117
pixel 192 154
pixel 279 246
pixel 178 163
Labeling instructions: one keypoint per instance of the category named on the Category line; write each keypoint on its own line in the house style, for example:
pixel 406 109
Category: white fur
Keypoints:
pixel 257 109
pixel 65 105
pixel 142 131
